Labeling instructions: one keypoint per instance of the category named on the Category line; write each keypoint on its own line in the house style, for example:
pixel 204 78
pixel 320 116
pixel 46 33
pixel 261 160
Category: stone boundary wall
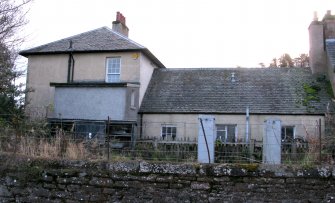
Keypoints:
pixel 23 179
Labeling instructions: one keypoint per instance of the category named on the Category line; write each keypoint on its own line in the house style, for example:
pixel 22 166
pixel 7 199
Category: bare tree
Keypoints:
pixel 12 20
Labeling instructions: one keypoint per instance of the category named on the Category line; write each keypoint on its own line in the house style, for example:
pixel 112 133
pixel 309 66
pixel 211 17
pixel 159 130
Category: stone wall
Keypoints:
pixel 36 180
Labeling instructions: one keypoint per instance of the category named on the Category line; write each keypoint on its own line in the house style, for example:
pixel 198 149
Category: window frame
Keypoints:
pixel 108 59
pixel 225 130
pixel 169 136
pixel 285 127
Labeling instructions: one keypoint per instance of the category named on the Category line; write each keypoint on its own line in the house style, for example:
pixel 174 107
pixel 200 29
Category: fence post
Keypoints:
pixel 251 149
pixel 320 144
pixel 294 150
pixel 107 136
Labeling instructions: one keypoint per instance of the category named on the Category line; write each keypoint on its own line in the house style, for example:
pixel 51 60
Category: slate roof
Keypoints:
pixel 330 46
pixel 102 39
pixel 264 90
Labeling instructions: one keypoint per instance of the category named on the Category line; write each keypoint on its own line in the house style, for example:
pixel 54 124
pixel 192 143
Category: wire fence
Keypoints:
pixel 301 143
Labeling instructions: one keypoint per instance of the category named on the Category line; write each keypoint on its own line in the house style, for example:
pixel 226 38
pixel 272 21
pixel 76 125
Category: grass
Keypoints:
pixel 52 147
pixel 38 142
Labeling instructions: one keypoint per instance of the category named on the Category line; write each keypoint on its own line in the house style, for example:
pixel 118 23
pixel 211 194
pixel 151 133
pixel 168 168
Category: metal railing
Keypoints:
pixel 66 140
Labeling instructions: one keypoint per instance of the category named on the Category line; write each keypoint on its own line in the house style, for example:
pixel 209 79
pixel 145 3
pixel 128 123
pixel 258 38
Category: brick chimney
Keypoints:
pixel 319 31
pixel 119 25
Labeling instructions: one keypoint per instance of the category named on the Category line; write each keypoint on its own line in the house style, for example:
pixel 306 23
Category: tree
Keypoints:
pixel 286 61
pixel 12 20
pixel 301 61
pixel 273 64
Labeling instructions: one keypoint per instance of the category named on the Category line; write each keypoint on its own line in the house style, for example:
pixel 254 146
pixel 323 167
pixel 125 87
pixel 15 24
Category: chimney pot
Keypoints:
pixel 315 18
pixel 119 25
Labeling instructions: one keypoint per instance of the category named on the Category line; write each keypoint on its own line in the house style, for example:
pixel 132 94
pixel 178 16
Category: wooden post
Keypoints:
pixel 251 149
pixel 320 144
pixel 107 136
pixel 294 150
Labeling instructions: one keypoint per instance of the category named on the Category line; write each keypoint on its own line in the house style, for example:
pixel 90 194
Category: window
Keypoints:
pixel 113 69
pixel 226 133
pixel 169 132
pixel 132 99
pixel 287 134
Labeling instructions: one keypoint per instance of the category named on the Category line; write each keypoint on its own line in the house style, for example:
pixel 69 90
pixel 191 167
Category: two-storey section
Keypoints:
pixel 100 75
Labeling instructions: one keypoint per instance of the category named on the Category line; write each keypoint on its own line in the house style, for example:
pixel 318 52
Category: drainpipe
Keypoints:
pixel 72 75
pixel 70 70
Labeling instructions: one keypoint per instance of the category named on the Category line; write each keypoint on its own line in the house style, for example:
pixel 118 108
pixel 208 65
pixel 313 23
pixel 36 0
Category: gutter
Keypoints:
pixel 145 51
pixel 95 84
pixel 236 113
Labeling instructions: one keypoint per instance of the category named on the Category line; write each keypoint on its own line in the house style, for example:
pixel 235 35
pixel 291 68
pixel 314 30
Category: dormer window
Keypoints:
pixel 113 69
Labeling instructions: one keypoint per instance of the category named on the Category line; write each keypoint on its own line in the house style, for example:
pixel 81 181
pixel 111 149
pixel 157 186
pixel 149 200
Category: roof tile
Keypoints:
pixel 101 39
pixel 264 90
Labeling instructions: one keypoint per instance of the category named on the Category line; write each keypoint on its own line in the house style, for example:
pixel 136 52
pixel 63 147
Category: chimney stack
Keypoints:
pixel 119 25
pixel 329 25
pixel 319 31
pixel 315 16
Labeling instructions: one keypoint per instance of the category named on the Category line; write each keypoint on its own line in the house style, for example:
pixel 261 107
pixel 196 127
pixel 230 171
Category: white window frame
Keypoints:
pixel 169 136
pixel 110 71
pixel 225 130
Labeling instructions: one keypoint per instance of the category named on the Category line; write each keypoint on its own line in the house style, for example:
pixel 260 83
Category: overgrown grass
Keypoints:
pixel 57 147
pixel 36 140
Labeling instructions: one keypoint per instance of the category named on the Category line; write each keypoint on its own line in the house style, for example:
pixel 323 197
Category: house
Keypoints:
pixel 102 75
pixel 176 97
pixel 299 97
pixel 95 76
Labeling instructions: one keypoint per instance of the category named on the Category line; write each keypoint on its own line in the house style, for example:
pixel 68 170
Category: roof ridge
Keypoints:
pixel 85 33
pixel 232 68
pixel 76 35
pixel 124 37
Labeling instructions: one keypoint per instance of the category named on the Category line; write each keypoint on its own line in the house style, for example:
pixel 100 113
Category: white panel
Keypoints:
pixel 208 126
pixel 272 142
pixel 90 103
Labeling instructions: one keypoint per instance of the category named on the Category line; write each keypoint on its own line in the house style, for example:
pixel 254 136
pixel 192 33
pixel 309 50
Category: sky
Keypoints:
pixel 188 33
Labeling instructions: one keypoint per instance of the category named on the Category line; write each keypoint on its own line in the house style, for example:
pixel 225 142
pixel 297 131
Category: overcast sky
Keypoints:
pixel 188 33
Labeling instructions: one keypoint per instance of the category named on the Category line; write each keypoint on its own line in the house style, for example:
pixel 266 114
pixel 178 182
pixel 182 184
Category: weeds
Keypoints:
pixel 51 148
